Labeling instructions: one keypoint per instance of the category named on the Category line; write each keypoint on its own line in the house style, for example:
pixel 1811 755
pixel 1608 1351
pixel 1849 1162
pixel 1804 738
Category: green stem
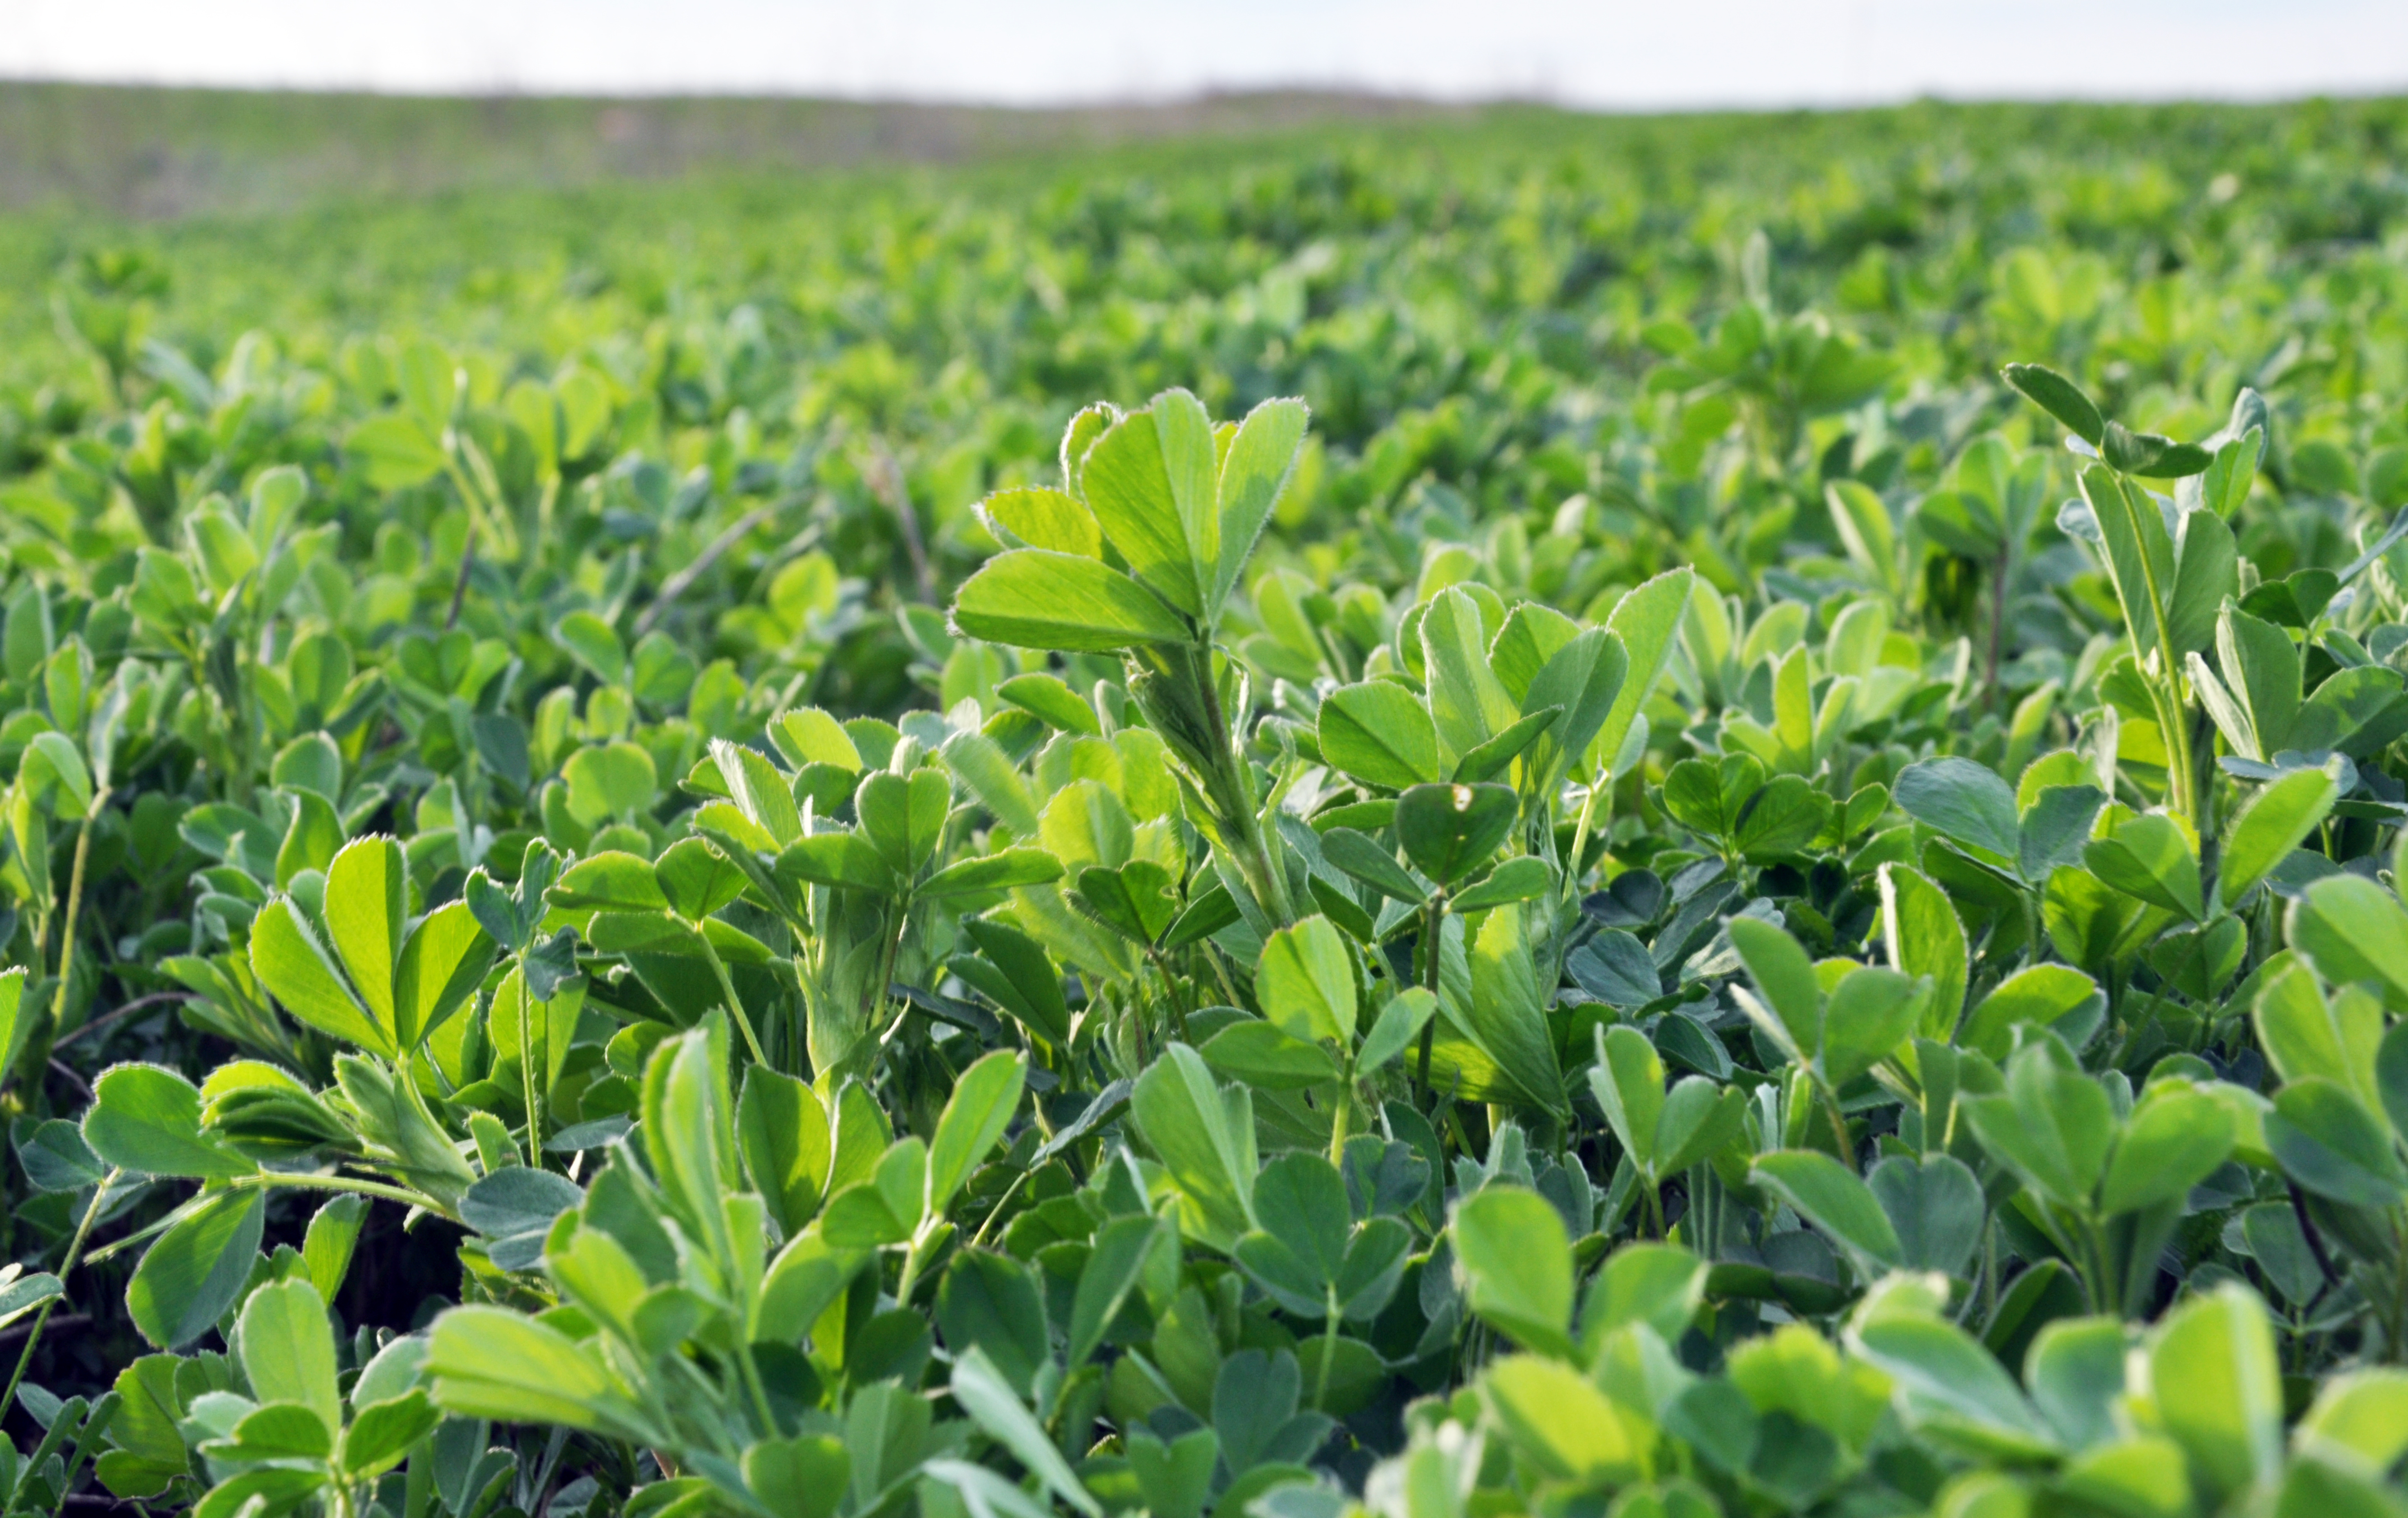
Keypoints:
pixel 728 990
pixel 67 1267
pixel 759 1391
pixel 311 1182
pixel 526 1068
pixel 1339 1119
pixel 1847 1153
pixel 1431 935
pixel 74 910
pixel 1328 1353
pixel 997 1210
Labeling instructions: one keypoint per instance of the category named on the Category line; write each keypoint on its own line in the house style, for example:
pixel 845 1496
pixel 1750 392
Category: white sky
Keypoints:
pixel 1626 53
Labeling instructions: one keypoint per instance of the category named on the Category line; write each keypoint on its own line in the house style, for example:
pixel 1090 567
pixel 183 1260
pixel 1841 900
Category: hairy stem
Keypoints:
pixel 67 1267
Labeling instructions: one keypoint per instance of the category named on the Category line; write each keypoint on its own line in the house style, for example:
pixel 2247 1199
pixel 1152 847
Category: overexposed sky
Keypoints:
pixel 1610 53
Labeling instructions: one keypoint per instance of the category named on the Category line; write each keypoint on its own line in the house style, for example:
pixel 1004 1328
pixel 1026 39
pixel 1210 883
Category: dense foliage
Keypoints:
pixel 1729 848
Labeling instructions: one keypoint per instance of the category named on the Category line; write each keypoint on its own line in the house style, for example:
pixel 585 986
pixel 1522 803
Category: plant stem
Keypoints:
pixel 727 990
pixel 1339 1119
pixel 760 1393
pixel 67 1267
pixel 1430 967
pixel 1847 1152
pixel 527 1067
pixel 312 1181
pixel 1998 624
pixel 74 910
pixel 1328 1353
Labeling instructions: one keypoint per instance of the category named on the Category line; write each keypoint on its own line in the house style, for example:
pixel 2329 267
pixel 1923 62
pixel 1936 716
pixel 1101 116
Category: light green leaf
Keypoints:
pixel 146 1119
pixel 1380 733
pixel 1512 1247
pixel 1036 598
pixel 975 1116
pixel 1306 983
pixel 286 957
pixel 287 1349
pixel 1828 1194
pixel 366 887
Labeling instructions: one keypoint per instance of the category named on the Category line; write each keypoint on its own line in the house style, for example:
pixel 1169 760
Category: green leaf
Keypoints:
pixel 1925 938
pixel 443 961
pixel 1037 518
pixel 287 1349
pixel 985 1097
pixel 2052 1126
pixel 1006 870
pixel 333 1234
pixel 609 781
pixel 1204 1134
pixel 802 1477
pixel 980 1390
pixel 1964 800
pixel 1368 861
pixel 1585 679
pixel 2219 1388
pixel 1937 1208
pixel 594 643
pixel 490 1362
pixel 1559 1423
pixel 1467 702
pixel 1480 763
pixel 844 860
pixel 1296 1253
pixel 1115 1268
pixel 1260 461
pixel 1524 878
pixel 2261 667
pixel 2150 857
pixel 696 880
pixel 1052 702
pixel 608 881
pixel 1306 983
pixel 2276 821
pixel 51 760
pixel 2329 1142
pixel 1517 1261
pixel 1947 1381
pixel 781 1131
pixel 2206 578
pixel 1450 830
pixel 384 1433
pixel 1628 1082
pixel 2139 553
pixel 1645 621
pixel 992 1301
pixel 366 887
pixel 1661 1285
pixel 1399 1023
pixel 902 817
pixel 1013 972
pixel 2041 995
pixel 1150 482
pixel 2075 1369
pixel 1791 1005
pixel 1036 598
pixel 2175 1139
pixel 1504 1017
pixel 1828 1194
pixel 189 1277
pixel 146 1119
pixel 286 957
pixel 2059 397
pixel 2354 930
